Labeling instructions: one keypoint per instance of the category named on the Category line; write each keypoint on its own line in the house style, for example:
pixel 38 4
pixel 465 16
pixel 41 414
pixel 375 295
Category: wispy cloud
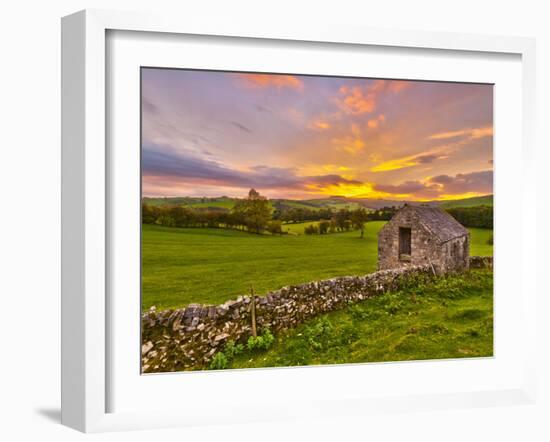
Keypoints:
pixel 469 133
pixel 457 137
pixel 149 107
pixel 409 161
pixel 240 126
pixel 278 81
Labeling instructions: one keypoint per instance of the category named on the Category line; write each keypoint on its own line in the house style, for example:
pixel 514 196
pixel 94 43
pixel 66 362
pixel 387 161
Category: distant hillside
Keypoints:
pixel 333 202
pixel 377 204
pixel 486 200
pixel 196 203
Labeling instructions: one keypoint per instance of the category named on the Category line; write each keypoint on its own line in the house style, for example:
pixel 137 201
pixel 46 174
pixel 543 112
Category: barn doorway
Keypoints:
pixel 404 242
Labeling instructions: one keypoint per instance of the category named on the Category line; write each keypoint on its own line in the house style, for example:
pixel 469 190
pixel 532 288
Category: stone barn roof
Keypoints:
pixel 439 222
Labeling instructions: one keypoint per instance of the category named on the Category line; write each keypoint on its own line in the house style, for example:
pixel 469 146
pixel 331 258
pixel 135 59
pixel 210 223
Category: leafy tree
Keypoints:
pixel 340 219
pixel 323 227
pixel 312 229
pixel 149 214
pixel 254 211
pixel 383 214
pixel 358 219
pixel 476 216
pixel 274 227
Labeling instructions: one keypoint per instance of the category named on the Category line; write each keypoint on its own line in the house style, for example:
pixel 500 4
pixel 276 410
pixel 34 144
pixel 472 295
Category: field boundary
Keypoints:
pixel 188 338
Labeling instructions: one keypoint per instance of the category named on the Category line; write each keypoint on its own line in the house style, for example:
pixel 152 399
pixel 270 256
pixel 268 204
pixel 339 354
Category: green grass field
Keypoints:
pixel 486 200
pixel 211 266
pixel 290 204
pixel 298 228
pixel 451 318
pixel 478 239
pixel 222 204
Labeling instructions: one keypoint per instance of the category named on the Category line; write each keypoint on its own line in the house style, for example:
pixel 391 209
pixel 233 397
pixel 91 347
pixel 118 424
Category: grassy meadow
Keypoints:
pixel 451 318
pixel 210 266
pixel 298 228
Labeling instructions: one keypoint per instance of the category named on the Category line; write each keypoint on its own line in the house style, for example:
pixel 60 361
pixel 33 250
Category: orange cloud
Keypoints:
pixel 397 86
pixel 273 80
pixel 352 143
pixel 349 144
pixel 323 169
pixel 356 100
pixel 399 163
pixel 409 161
pixel 375 122
pixel 321 125
pixel 372 124
pixel 359 100
pixel 470 133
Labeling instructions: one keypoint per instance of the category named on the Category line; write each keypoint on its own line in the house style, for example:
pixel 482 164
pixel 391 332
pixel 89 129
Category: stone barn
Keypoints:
pixel 418 235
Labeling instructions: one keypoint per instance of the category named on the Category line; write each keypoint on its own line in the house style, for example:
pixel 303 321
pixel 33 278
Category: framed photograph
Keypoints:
pixel 317 214
pixel 349 221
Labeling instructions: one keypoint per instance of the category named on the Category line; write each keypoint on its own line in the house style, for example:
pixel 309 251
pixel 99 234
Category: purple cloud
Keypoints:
pixel 480 182
pixel 166 163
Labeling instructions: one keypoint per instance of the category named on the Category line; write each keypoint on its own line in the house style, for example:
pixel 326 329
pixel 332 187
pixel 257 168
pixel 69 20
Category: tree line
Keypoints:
pixel 301 214
pixel 254 214
pixel 476 216
pixel 341 221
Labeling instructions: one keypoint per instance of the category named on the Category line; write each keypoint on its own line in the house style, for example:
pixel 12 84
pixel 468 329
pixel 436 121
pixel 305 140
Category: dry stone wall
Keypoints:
pixel 188 338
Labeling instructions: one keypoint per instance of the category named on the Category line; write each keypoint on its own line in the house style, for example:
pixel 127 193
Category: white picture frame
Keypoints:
pixel 85 211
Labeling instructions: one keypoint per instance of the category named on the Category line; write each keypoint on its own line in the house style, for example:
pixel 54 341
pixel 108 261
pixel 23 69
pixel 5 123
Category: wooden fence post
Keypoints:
pixel 253 311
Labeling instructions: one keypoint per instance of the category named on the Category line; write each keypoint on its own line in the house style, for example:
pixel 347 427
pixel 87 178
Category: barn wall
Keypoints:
pixel 424 247
pixel 460 261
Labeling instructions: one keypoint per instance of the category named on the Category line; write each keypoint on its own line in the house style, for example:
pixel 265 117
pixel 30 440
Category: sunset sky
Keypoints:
pixel 293 136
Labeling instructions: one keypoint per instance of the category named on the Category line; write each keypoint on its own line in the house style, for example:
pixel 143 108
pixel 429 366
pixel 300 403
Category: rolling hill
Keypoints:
pixel 333 202
pixel 486 200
